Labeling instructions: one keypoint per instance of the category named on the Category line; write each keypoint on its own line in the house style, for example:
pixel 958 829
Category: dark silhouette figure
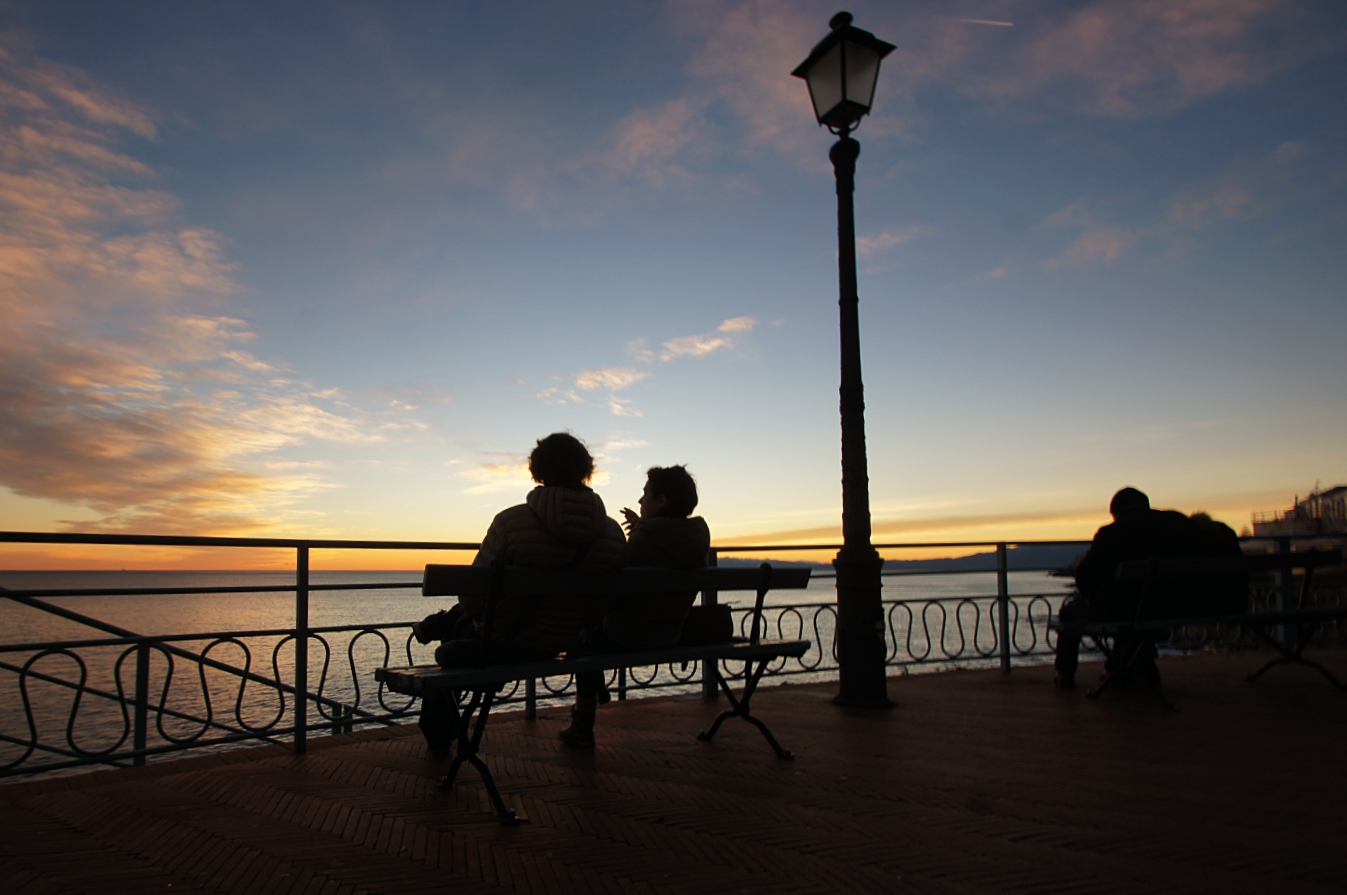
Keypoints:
pixel 1137 532
pixel 664 535
pixel 561 525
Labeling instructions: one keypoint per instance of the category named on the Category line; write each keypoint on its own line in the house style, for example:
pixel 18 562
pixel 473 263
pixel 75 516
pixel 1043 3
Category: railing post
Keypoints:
pixel 1003 605
pixel 710 690
pixel 301 648
pixel 1282 590
pixel 621 685
pixel 531 698
pixel 142 716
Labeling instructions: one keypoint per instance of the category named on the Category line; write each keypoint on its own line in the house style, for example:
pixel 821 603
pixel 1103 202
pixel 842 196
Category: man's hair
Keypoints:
pixel 561 460
pixel 1128 500
pixel 676 485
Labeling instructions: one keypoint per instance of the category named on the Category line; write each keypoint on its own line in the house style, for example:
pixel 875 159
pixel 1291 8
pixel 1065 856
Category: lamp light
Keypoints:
pixel 841 73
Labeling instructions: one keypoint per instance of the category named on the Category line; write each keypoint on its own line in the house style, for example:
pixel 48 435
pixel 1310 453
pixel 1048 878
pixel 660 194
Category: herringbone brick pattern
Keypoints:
pixel 977 782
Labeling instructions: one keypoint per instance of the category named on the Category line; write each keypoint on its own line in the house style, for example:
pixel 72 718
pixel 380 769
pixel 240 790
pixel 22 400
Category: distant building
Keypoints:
pixel 1322 512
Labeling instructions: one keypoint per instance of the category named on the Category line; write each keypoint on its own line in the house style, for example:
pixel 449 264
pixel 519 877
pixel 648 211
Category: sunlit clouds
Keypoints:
pixel 707 343
pixel 612 380
pixel 117 395
pixel 262 273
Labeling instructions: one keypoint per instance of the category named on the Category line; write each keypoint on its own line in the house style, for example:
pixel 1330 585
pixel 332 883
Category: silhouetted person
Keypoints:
pixel 1227 593
pixel 562 524
pixel 664 535
pixel 1137 532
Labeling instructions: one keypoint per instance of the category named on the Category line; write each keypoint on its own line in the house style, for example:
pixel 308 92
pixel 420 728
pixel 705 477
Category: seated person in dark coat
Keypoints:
pixel 664 535
pixel 561 525
pixel 1137 532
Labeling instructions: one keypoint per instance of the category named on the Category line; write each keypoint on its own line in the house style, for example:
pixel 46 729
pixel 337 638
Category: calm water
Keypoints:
pixel 191 613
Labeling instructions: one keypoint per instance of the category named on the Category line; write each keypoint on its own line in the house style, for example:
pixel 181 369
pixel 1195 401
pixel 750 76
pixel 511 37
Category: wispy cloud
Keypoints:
pixel 115 395
pixel 610 378
pixel 1290 174
pixel 707 343
pixel 495 477
pixel 873 245
pixel 615 379
pixel 1116 58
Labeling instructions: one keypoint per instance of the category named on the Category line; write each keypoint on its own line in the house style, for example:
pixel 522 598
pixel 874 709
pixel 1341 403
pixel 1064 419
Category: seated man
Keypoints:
pixel 1137 532
pixel 561 525
pixel 663 535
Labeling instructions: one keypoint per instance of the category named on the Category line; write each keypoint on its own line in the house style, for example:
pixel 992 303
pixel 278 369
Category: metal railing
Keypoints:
pixel 122 697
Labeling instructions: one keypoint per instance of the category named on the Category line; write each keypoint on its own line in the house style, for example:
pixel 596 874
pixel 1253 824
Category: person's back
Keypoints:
pixel 555 528
pixel 1225 594
pixel 1137 533
pixel 562 524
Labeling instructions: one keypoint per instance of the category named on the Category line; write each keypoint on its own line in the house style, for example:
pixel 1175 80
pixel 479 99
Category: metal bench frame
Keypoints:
pixel 481 685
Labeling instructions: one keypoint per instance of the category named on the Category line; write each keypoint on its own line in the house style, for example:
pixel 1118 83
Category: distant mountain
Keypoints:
pixel 1029 557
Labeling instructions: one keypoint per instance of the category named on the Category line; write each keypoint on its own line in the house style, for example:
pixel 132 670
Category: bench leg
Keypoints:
pixel 1128 654
pixel 1295 656
pixel 469 742
pixel 739 708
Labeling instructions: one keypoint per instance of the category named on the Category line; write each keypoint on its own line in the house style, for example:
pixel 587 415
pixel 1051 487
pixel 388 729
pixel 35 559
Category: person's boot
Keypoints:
pixel 581 731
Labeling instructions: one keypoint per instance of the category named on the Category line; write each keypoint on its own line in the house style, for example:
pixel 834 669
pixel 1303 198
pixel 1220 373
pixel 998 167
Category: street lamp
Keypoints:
pixel 841 73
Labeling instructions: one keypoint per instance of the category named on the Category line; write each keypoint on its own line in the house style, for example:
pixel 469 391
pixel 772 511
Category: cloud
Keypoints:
pixel 116 394
pixel 492 478
pixel 706 343
pixel 1252 187
pixel 1116 58
pixel 554 395
pixel 870 245
pixel 610 378
pixel 648 143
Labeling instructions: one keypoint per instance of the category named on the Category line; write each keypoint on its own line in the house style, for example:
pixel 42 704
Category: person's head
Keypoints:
pixel 560 460
pixel 1128 500
pixel 669 491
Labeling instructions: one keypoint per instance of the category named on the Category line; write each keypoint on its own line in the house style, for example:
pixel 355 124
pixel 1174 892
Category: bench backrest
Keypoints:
pixel 459 580
pixel 496 581
pixel 1205 567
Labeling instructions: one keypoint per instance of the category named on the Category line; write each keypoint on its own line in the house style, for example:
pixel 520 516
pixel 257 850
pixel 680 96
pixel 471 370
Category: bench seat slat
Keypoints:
pixel 416 680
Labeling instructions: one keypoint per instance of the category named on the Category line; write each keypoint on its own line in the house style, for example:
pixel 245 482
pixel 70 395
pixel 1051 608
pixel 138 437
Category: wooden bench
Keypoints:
pixel 1297 626
pixel 480 685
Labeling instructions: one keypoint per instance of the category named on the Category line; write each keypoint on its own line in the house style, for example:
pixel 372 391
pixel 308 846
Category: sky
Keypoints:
pixel 329 270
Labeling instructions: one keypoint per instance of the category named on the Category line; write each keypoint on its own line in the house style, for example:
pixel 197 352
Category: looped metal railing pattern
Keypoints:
pixel 121 698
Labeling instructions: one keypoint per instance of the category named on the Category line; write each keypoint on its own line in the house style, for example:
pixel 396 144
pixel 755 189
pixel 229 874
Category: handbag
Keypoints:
pixel 708 626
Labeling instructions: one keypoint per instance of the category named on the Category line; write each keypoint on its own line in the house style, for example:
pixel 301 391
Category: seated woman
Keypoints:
pixel 663 536
pixel 562 524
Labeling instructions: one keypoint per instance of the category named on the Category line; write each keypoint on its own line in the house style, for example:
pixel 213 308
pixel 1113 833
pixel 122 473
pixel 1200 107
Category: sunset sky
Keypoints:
pixel 329 269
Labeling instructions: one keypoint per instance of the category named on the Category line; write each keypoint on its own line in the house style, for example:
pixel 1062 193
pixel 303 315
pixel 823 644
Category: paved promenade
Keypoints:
pixel 977 782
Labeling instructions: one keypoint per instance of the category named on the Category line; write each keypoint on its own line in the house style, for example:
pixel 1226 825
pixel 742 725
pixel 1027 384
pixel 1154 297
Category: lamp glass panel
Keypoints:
pixel 825 81
pixel 862 72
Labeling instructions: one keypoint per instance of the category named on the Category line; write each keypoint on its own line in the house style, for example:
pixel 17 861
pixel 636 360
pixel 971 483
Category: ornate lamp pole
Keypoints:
pixel 841 73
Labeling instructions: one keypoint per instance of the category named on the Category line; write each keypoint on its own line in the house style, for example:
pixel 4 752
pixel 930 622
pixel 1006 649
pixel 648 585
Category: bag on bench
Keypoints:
pixel 708 626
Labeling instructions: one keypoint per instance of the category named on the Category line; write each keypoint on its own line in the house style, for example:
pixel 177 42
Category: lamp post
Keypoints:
pixel 841 73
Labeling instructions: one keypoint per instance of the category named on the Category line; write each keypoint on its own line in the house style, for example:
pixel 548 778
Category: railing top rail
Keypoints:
pixel 738 548
pixel 32 537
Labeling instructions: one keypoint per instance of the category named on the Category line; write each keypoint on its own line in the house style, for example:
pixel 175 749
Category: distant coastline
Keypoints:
pixel 1026 558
